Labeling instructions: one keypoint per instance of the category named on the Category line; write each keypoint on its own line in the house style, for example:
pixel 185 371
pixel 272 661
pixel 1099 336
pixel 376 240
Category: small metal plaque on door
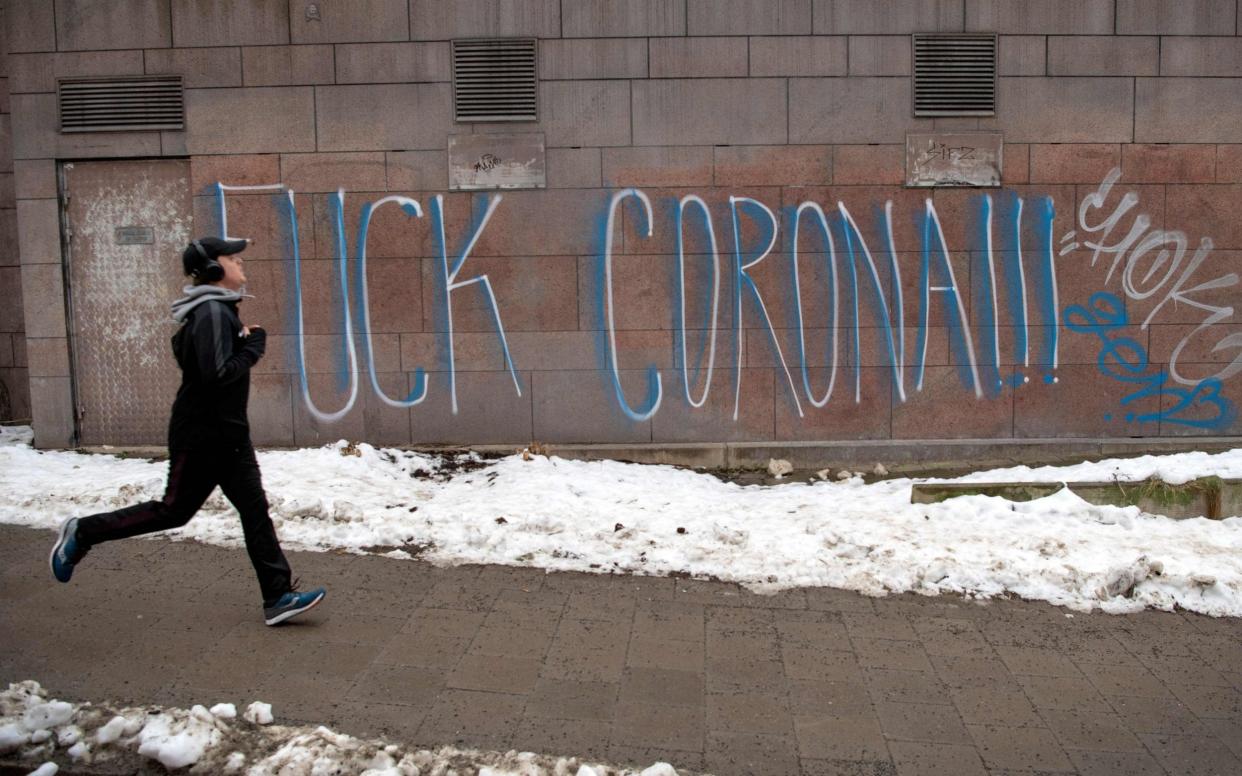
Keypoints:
pixel 135 235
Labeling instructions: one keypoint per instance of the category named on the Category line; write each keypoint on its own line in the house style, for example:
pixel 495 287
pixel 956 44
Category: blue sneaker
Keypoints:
pixel 292 604
pixel 66 552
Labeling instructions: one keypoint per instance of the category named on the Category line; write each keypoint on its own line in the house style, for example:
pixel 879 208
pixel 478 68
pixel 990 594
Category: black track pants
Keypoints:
pixel 192 475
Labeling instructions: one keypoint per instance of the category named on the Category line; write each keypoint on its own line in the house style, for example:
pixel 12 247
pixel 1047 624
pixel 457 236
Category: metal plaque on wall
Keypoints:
pixel 499 161
pixel 953 159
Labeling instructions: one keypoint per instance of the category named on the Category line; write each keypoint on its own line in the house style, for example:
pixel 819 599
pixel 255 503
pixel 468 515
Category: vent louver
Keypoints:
pixel 954 74
pixel 495 80
pixel 121 104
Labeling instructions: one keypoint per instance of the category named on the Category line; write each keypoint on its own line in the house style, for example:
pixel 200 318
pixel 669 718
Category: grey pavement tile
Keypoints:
pixel 640 757
pixel 1228 731
pixel 591 634
pixel 443 622
pixel 426 649
pixel 723 618
pixel 762 713
pixel 826 665
pixel 789 599
pixel 534 618
pixel 920 722
pixel 1124 680
pixel 589 739
pixel 670 620
pixel 812 767
pixel 485 720
pixel 308 699
pixel 576 582
pixel 1158 715
pixel 1031 633
pixel 965 671
pixel 659 725
pixel 540 608
pixel 810 698
pixel 878 626
pixel 1218 627
pixel 1149 640
pixel 599 606
pixel 586 666
pixel 511 642
pixel 745 676
pixel 1062 692
pixel 896 655
pixel 1184 669
pixel 398 684
pixel 372 629
pixel 740 645
pixel 1027 748
pixel 1105 732
pixel 813 629
pixel 1099 648
pixel 566 699
pixel 1224 655
pixel 458 595
pixel 840 738
pixel 325 659
pixel 494 673
pixel 661 685
pixel 368 719
pixel 640 588
pixel 652 652
pixel 907 686
pixel 230 670
pixel 936 759
pixel 515 578
pixel 1040 662
pixel 1115 763
pixel 370 601
pixel 750 754
pixel 995 705
pixel 1208 701
pixel 1192 755
pixel 710 593
pixel 832 600
pixel 946 636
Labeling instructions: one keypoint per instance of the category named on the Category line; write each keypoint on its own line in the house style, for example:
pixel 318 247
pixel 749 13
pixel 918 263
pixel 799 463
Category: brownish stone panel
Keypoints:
pixel 677 421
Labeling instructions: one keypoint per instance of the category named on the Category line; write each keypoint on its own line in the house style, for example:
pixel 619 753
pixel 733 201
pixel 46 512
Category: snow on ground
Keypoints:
pixel 47 733
pixel 605 516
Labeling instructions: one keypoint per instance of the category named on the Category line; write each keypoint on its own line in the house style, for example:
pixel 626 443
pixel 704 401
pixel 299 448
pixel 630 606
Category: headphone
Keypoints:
pixel 211 271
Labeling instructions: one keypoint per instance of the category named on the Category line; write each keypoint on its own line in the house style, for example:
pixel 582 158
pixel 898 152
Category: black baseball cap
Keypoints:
pixel 213 247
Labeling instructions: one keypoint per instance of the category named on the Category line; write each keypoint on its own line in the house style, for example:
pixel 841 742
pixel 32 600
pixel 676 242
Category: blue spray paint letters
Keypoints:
pixel 449 284
pixel 742 279
pixel 1125 360
pixel 419 392
pixel 686 379
pixel 655 388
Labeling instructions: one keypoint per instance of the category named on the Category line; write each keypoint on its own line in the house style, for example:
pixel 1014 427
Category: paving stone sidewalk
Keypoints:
pixel 636 669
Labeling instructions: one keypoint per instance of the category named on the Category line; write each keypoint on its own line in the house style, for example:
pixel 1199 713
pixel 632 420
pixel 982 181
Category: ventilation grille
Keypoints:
pixel 954 75
pixel 494 80
pixel 121 104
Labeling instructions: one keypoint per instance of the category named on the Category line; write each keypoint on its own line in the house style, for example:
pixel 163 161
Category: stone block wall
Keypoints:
pixel 14 370
pixel 749 105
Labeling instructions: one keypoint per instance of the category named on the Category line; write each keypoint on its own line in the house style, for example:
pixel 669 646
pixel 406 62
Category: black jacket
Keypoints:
pixel 215 359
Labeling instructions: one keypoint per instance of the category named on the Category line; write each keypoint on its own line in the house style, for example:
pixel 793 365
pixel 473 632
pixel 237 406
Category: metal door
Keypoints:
pixel 125 223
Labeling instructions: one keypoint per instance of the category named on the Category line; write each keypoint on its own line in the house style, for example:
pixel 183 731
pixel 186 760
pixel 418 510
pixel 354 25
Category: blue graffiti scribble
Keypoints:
pixel 1125 360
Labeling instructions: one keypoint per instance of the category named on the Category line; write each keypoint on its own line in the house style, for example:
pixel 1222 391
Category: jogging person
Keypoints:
pixel 208 435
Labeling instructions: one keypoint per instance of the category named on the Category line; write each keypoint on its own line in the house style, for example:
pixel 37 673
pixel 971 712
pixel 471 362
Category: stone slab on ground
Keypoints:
pixel 702 674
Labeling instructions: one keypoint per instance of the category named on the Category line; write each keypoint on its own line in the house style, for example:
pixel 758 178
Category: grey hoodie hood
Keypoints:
pixel 196 295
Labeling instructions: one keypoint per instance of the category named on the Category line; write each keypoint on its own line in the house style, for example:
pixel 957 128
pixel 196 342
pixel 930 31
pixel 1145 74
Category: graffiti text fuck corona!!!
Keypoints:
pixel 859 273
